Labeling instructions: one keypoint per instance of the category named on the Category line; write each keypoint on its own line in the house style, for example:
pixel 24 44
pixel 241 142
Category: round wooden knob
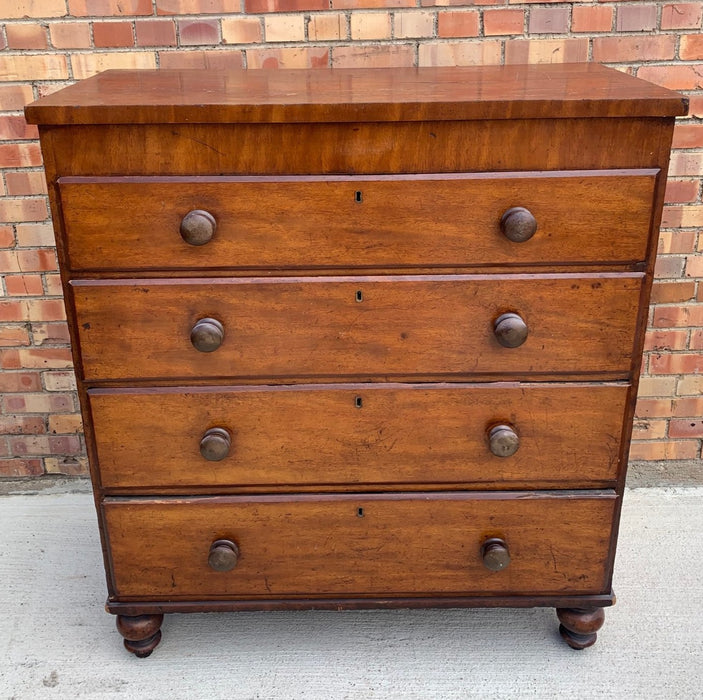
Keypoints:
pixel 518 224
pixel 207 335
pixel 510 330
pixel 495 554
pixel 223 555
pixel 215 444
pixel 198 227
pixel 503 440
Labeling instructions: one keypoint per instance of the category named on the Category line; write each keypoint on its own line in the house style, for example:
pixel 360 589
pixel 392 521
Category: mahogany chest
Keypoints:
pixel 357 338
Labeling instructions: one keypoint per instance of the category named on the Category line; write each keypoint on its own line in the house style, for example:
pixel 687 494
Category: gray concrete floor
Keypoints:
pixel 56 641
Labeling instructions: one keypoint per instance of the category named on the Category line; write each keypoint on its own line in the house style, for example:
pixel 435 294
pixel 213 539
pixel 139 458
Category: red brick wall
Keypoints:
pixel 45 44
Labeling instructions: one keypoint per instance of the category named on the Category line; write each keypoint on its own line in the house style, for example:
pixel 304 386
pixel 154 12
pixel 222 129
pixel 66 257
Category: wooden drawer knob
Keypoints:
pixel 215 444
pixel 503 440
pixel 207 335
pixel 518 224
pixel 198 227
pixel 495 554
pixel 223 555
pixel 510 330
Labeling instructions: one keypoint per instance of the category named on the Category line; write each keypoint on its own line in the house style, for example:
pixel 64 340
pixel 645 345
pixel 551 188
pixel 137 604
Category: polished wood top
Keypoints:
pixel 355 95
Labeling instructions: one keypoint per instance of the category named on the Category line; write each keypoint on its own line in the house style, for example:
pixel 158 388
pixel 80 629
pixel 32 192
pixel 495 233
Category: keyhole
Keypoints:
pixel 357 196
pixel 359 296
pixel 358 402
pixel 360 512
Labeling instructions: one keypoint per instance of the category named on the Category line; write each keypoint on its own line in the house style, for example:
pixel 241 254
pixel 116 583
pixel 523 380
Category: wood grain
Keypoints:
pixel 349 437
pixel 341 95
pixel 322 545
pixel 315 327
pixel 392 222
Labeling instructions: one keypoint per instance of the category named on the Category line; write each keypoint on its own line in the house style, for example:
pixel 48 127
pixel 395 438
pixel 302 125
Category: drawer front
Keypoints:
pixel 357 222
pixel 356 327
pixel 361 545
pixel 343 436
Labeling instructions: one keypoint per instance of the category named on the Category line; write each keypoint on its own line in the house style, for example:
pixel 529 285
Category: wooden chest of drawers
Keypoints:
pixel 357 338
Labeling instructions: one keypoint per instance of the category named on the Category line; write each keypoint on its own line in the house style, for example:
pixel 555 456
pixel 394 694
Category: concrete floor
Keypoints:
pixel 56 641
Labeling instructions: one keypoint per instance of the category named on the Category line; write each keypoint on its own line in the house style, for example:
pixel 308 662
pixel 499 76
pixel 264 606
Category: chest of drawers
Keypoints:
pixel 357 338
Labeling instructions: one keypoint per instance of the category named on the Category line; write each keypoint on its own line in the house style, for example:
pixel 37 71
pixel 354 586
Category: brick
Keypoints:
pixel 25 182
pixel 691 48
pixel 14 127
pixel 656 386
pixel 33 209
pixel 458 23
pixel 673 292
pixel 20 155
pixel 65 423
pixel 26 36
pixel 156 32
pixel 247 30
pixel 672 242
pixel 683 316
pixel 694 268
pixel 45 358
pixel 196 32
pixel 408 25
pixel 546 51
pixel 21 9
pixel 681 191
pixel 666 340
pixel 688 136
pixel 284 28
pixel 109 8
pixel 657 451
pixel 688 407
pixel 669 266
pixel 591 18
pixel 14 335
pixel 197 7
pixel 15 97
pixel 44 310
pixel 691 385
pixel 7 238
pixel 22 425
pixel 21 467
pixel 28 445
pixel 393 56
pixel 327 27
pixel 677 363
pixel 695 106
pixel 370 4
pixel 210 60
pixel 70 466
pixel 20 66
pixel 649 430
pixel 370 25
pixel 20 260
pixel 696 341
pixel 612 49
pixel 52 284
pixel 452 3
pixel 636 18
pixel 298 57
pixel 685 428
pixel 113 34
pixel 50 334
pixel 70 35
pixel 38 403
pixel 497 22
pixel 681 16
pixel 460 53
pixel 59 381
pixel 261 6
pixel 675 77
pixel 12 382
pixel 24 285
pixel 548 20
pixel 656 408
pixel 10 358
pixel 86 64
pixel 682 216
pixel 35 235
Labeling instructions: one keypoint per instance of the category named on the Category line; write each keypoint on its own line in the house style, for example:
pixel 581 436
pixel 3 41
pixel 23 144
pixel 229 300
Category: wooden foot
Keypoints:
pixel 141 633
pixel 579 625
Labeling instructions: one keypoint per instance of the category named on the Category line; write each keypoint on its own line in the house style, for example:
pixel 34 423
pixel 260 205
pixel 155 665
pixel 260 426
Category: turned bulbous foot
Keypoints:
pixel 579 625
pixel 141 633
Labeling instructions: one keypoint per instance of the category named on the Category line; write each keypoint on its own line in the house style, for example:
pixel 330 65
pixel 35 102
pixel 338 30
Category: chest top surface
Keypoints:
pixel 579 90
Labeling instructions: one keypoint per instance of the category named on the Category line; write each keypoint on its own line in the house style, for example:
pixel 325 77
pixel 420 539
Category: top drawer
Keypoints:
pixel 317 222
